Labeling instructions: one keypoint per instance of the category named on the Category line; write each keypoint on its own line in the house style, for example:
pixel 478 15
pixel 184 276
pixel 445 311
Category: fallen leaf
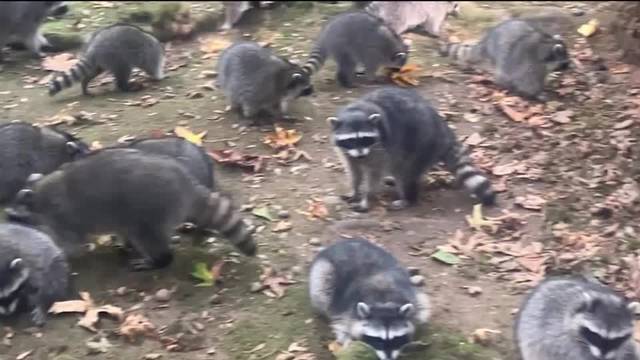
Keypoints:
pixel 92 316
pixel 273 284
pixel 506 169
pixel 317 210
pixel 530 202
pixel 213 44
pixel 511 112
pixel 474 139
pixel 256 349
pixel 71 306
pixel 263 212
pixel 589 28
pixel 189 136
pixel 562 117
pixel 136 325
pixel 61 62
pixel 202 273
pixel 404 76
pixel 99 347
pixel 334 347
pixel 282 138
pixel 477 221
pixel 624 124
pixel 533 262
pixel 96 145
pixel 24 355
pixel 484 336
pixel 282 226
pixel 254 163
pixel 446 257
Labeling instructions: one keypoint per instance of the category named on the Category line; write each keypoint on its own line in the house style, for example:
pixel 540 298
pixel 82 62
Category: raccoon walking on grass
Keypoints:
pixel 575 318
pixel 396 130
pixel 367 295
pixel 20 22
pixel 357 38
pixel 255 80
pixel 33 272
pixel 117 49
pixel 137 196
pixel 26 149
pixel 519 54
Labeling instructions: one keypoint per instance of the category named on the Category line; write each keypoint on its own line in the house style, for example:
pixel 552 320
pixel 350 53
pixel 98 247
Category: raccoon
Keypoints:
pixel 519 53
pixel 193 157
pixel 20 23
pixel 403 16
pixel 137 196
pixel 256 80
pixel 33 272
pixel 574 318
pixel 118 49
pixel 27 149
pixel 396 130
pixel 357 38
pixel 366 295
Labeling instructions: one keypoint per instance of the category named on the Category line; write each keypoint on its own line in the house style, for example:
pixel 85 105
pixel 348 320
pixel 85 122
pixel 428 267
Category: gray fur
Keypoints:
pixel 118 49
pixel 551 321
pixel 26 149
pixel 396 130
pixel 193 157
pixel 256 80
pixel 20 22
pixel 39 275
pixel 363 291
pixel 402 16
pixel 519 53
pixel 137 196
pixel 357 38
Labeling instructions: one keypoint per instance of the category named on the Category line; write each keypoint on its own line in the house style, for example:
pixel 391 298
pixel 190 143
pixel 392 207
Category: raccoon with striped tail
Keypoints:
pixel 575 318
pixel 396 130
pixel 357 38
pixel 140 197
pixel 367 295
pixel 519 54
pixel 118 49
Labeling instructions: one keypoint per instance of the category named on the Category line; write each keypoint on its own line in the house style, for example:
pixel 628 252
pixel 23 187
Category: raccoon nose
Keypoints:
pixel 307 91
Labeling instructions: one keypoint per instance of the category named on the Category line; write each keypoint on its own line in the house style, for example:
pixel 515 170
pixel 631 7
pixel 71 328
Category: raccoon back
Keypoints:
pixel 21 18
pixel 122 44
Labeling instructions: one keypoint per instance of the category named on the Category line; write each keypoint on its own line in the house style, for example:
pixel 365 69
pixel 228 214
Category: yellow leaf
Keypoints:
pixel 477 221
pixel 589 28
pixel 189 136
pixel 214 44
pixel 404 77
pixel 282 138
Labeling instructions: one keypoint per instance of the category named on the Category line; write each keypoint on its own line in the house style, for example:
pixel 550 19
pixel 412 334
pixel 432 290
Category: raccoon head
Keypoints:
pixel 24 204
pixel 387 328
pixel 395 47
pixel 13 275
pixel 555 55
pixel 355 131
pixel 454 8
pixel 298 82
pixel 604 323
pixel 57 8
pixel 74 147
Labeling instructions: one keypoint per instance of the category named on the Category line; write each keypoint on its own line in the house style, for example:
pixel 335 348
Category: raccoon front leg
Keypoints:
pixel 354 172
pixel 152 245
pixel 249 111
pixel 407 190
pixel 346 71
pixel 122 74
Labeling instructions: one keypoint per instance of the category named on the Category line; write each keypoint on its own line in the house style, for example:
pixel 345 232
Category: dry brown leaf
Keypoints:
pixel 282 138
pixel 274 285
pixel 511 112
pixel 405 75
pixel 213 44
pixel 61 62
pixel 71 306
pixel 282 226
pixel 533 263
pixel 254 163
pixel 474 139
pixel 562 117
pixel 92 316
pixel 484 336
pixel 506 169
pixel 317 210
pixel 334 347
pixel 136 325
pixel 530 202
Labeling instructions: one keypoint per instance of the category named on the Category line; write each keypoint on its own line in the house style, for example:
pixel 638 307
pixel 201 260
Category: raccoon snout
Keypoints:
pixel 307 91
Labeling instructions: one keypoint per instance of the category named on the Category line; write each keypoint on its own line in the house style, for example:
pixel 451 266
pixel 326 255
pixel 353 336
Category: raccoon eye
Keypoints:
pixel 592 337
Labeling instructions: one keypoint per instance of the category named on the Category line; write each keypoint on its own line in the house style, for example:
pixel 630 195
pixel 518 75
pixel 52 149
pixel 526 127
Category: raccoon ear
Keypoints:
pixel 332 120
pixel 24 196
pixel 33 178
pixel 406 309
pixel 375 117
pixel 296 76
pixel 558 49
pixel 72 147
pixel 363 310
pixel 15 263
pixel 400 56
pixel 557 37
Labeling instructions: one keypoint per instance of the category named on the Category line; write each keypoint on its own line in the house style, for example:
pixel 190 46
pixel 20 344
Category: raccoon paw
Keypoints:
pixel 350 198
pixel 38 316
pixel 140 265
pixel 360 207
pixel 399 205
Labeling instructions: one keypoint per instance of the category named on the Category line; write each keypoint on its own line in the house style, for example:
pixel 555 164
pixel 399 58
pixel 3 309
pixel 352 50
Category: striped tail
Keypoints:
pixel 459 163
pixel 80 71
pixel 221 216
pixel 465 53
pixel 316 59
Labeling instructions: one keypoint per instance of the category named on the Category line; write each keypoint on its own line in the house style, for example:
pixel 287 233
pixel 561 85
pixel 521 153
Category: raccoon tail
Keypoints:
pixel 80 71
pixel 316 59
pixel 459 163
pixel 221 216
pixel 466 53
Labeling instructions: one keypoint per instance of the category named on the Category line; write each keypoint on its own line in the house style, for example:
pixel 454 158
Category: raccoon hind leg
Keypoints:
pixel 321 279
pixel 152 245
pixel 155 67
pixel 407 189
pixel 346 70
pixel 122 73
pixel 87 79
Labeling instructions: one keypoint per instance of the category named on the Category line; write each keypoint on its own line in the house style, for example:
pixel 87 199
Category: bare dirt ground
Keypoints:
pixel 553 169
